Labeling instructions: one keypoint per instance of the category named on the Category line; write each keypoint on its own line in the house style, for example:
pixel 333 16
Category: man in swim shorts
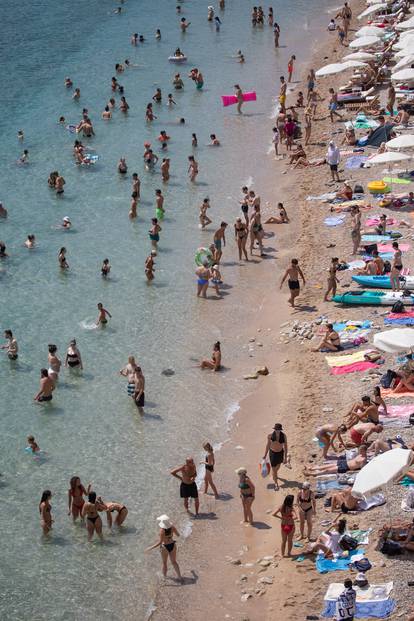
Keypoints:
pixel 219 240
pixel 292 274
pixel 11 346
pixel 360 433
pixel 47 386
pixel 341 466
pixel 188 487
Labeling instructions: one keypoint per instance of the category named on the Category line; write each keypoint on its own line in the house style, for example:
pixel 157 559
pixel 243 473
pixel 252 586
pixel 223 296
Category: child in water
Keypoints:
pixel 106 268
pixel 32 444
pixel 103 313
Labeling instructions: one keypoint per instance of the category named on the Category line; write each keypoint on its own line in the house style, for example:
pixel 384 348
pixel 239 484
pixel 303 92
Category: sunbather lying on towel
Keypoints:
pixel 343 501
pixel 341 466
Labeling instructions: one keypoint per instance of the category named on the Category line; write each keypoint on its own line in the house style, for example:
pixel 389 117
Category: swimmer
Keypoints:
pixel 66 223
pixel 76 492
pixel 177 82
pixel 149 114
pixel 163 137
pixel 136 185
pixel 20 135
pixel 215 142
pixel 3 253
pixel 239 97
pixel 241 59
pixel 93 519
pixel 159 204
pixel 139 389
pixel 122 166
pixel 182 121
pixel 210 13
pixel 112 507
pixel 157 97
pixel 124 106
pixel 150 159
pixel 134 39
pixel 62 120
pixel 45 511
pixel 204 219
pixel 194 141
pixel 103 314
pixel 30 241
pixel 11 346
pixel 170 100
pixel 149 266
pixel 111 103
pixel 32 444
pixel 73 357
pixel 119 68
pixel 133 207
pixel 59 183
pixel 215 363
pixel 63 264
pixel 184 24
pixel 192 168
pixel 68 83
pixel 154 233
pixel 76 94
pixel 217 23
pixel 24 158
pixel 54 362
pixel 3 211
pixel 105 268
pixel 165 169
pixel 158 34
pixel 107 114
pixel 47 386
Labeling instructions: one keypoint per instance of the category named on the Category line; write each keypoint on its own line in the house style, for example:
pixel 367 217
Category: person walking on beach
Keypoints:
pixel 282 94
pixel 239 97
pixel 241 232
pixel 167 545
pixel 355 229
pixel 292 274
pixel 247 494
pixel 290 67
pixel 333 157
pixel 188 486
pixel 333 105
pixel 287 514
pixel 277 449
pixel 308 124
pixel 45 511
pixel 209 464
pixel 332 278
pixel 307 509
pixel 396 268
pixel 11 346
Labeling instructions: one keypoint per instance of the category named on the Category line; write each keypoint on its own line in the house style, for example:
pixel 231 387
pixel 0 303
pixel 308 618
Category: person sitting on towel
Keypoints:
pixel 330 342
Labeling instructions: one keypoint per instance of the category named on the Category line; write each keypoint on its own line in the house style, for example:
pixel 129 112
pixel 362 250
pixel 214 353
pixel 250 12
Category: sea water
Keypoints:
pixel 92 429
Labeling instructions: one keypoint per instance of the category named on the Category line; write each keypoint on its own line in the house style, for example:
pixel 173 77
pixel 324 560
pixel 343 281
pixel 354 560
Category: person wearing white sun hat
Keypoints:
pixel 167 544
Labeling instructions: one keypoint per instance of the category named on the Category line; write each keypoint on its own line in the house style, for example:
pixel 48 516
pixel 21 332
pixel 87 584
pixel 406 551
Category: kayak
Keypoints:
pixel 375 298
pixel 383 282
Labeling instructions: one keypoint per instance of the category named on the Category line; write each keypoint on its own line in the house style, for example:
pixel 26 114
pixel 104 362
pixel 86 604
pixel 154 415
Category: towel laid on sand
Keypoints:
pixel 387 392
pixel 362 536
pixel 364 610
pixel 324 565
pixel 369 503
pixel 404 319
pixel 372 593
pixel 355 161
pixel 353 368
pixel 398 411
pixel 346 359
pixel 406 482
pixel 334 220
pixel 328 196
pixel 389 248
pixel 374 220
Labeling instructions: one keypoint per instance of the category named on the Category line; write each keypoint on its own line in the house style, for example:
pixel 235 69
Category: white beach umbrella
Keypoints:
pixel 364 42
pixel 381 471
pixel 403 75
pixel 353 64
pixel 360 56
pixel 407 33
pixel 374 8
pixel 389 157
pixel 403 43
pixel 409 23
pixel 404 62
pixel 370 31
pixel 406 51
pixel 329 69
pixel 395 341
pixel 405 141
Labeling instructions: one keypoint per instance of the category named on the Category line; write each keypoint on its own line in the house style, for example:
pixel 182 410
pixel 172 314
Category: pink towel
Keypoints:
pixel 387 392
pixel 351 368
pixel 400 411
pixel 409 313
pixel 389 248
pixel 374 220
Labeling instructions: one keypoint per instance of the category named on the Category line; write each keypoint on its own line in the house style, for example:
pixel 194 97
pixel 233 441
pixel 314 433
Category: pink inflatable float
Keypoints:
pixel 230 100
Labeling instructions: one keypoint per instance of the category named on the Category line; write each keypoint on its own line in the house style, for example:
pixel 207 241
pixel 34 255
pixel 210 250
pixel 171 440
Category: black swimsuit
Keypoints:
pixel 168 546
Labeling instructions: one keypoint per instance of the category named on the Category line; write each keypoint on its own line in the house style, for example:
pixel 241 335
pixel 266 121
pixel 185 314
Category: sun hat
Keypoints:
pixel 241 471
pixel 164 521
pixel 66 219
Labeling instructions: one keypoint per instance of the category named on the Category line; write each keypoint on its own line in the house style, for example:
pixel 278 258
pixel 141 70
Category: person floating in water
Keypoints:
pixel 103 314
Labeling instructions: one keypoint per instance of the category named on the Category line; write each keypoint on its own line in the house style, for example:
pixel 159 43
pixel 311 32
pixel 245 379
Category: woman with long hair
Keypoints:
pixel 287 515
pixel 209 469
pixel 247 494
pixel 45 510
pixel 76 492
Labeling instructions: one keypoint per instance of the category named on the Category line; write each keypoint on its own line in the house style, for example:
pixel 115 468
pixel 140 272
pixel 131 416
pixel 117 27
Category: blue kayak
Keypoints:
pixel 374 298
pixel 383 282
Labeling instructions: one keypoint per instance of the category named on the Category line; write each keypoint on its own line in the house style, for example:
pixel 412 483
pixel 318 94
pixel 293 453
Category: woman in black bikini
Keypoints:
pixel 241 231
pixel 209 466
pixel 112 507
pixel 247 493
pixel 306 503
pixel 277 448
pixel 45 511
pixel 73 358
pixel 93 519
pixel 167 545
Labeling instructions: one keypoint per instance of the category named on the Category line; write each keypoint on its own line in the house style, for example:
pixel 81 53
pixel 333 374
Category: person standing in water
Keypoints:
pixel 73 358
pixel 112 507
pixel 54 363
pixel 159 205
pixel 128 371
pixel 93 519
pixel 290 67
pixel 203 217
pixel 45 511
pixel 139 389
pixel 167 545
pixel 149 266
pixel 209 464
pixel 76 492
pixel 239 97
pixel 165 169
pixel 192 168
pixel 103 314
pixel 188 487
pixel 47 386
pixel 218 240
pixel 154 234
pixel 11 346
pixel 292 274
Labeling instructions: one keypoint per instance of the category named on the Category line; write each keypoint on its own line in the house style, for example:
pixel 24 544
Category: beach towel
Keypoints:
pixel 324 485
pixel 387 392
pixel 377 500
pixel 374 220
pixel 389 248
pixel 403 319
pixel 396 180
pixel 398 411
pixel 356 265
pixel 334 220
pixel 339 361
pixel 372 593
pixel 352 326
pixel 406 482
pixel 328 196
pixel 353 368
pixel 362 536
pixel 364 610
pixel 324 565
pixel 355 161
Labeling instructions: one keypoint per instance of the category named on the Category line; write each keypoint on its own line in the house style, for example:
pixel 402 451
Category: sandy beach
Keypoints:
pixel 238 570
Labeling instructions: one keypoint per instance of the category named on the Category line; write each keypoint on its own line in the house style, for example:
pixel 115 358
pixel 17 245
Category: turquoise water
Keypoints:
pixel 92 429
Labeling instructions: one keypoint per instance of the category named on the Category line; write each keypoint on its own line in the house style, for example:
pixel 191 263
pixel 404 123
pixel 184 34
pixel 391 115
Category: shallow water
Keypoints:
pixel 92 429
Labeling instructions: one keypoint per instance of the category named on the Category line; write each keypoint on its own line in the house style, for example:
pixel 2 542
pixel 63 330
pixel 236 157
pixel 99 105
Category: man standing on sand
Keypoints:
pixel 292 274
pixel 346 15
pixel 345 605
pixel 333 105
pixel 219 239
pixel 282 94
pixel 333 157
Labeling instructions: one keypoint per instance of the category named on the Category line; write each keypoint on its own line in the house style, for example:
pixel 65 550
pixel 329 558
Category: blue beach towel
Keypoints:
pixel 365 610
pixel 324 486
pixel 407 321
pixel 323 565
pixel 355 161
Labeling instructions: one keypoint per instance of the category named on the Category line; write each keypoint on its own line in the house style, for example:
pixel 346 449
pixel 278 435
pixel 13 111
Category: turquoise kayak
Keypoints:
pixel 374 298
pixel 383 282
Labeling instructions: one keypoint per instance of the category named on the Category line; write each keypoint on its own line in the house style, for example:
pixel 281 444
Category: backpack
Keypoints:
pixel 347 542
pixel 398 307
pixel 386 379
pixel 358 189
pixel 392 548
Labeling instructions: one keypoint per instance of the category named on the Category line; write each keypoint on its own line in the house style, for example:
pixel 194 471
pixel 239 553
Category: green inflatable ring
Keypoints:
pixel 202 256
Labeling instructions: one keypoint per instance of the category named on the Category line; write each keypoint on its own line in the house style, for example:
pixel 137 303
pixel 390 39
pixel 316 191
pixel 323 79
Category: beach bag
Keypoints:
pixel 348 543
pixel 387 378
pixel 362 565
pixel 398 307
pixel 358 189
pixel 369 248
pixel 390 547
pixel 264 468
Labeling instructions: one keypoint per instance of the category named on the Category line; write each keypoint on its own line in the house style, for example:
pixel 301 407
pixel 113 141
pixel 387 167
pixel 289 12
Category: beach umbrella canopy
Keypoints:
pixel 405 141
pixel 406 51
pixel 403 43
pixel 370 31
pixel 329 69
pixel 353 64
pixel 404 62
pixel 360 56
pixel 409 23
pixel 374 8
pixel 407 33
pixel 381 471
pixel 403 74
pixel 395 341
pixel 389 157
pixel 364 42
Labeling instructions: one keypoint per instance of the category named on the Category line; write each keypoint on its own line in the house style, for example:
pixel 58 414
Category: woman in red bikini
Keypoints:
pixel 287 515
pixel 76 492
